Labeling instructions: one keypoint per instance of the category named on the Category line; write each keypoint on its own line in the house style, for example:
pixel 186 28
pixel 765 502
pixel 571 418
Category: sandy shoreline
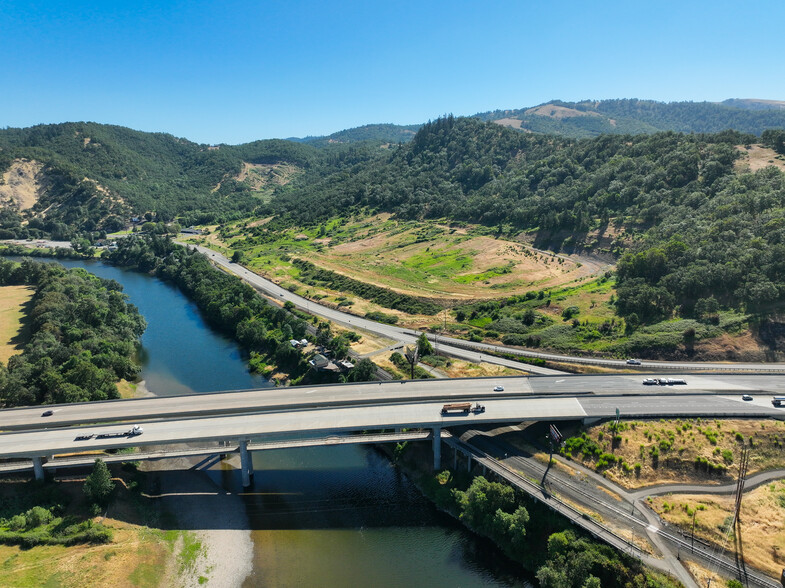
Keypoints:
pixel 215 515
pixel 217 518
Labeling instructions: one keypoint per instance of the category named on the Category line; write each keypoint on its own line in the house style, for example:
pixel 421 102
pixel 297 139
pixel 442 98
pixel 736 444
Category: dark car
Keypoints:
pixel 746 397
pixel 47 413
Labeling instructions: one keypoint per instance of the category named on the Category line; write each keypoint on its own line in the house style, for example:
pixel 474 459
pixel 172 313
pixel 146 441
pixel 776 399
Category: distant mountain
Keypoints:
pixel 592 118
pixel 755 104
pixel 380 133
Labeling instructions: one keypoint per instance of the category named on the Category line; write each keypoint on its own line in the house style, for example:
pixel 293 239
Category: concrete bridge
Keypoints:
pixel 253 420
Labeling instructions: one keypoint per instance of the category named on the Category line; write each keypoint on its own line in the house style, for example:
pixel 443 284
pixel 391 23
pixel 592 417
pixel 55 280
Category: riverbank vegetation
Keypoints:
pixel 236 309
pixel 515 522
pixel 642 453
pixel 50 535
pixel 83 337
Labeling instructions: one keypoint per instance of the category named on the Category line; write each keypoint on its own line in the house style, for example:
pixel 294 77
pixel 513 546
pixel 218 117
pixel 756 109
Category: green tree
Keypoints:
pixel 364 371
pixel 98 485
pixel 424 346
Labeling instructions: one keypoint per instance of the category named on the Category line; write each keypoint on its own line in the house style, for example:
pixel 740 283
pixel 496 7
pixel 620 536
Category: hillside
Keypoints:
pixel 86 176
pixel 380 133
pixel 696 234
pixel 592 118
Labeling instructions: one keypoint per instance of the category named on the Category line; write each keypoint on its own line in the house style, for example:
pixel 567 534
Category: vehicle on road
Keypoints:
pixel 676 382
pixel 650 382
pixel 83 437
pixel 478 408
pixel 746 397
pixel 778 401
pixel 498 388
pixel 132 432
pixel 47 413
pixel 462 407
pixel 633 362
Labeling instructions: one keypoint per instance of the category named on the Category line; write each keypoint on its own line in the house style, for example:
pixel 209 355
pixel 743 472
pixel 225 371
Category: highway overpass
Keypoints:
pixel 351 409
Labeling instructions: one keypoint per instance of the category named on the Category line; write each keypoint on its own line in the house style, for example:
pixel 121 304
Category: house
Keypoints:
pixel 345 364
pixel 322 364
pixel 319 361
pixel 304 342
pixel 191 231
pixel 294 343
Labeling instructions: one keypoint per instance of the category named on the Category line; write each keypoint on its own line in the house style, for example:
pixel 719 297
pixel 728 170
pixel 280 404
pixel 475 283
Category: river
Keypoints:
pixel 328 516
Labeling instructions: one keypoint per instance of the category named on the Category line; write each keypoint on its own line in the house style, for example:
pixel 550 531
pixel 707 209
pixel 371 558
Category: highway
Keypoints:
pixel 366 415
pixel 461 348
pixel 624 386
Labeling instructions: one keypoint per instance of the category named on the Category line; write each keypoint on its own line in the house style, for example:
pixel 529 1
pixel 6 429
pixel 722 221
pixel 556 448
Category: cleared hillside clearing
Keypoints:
pixel 755 157
pixel 23 184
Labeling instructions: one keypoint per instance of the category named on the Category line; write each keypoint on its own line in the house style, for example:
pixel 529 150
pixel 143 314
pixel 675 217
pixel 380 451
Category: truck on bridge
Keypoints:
pixel 462 407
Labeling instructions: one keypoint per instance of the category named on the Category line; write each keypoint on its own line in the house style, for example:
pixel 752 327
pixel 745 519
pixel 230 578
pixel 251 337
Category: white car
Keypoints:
pixel 498 388
pixel 650 382
pixel 633 362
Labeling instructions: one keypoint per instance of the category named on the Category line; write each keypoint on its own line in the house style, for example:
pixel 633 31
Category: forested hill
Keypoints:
pixel 96 176
pixel 695 233
pixel 592 118
pixel 381 133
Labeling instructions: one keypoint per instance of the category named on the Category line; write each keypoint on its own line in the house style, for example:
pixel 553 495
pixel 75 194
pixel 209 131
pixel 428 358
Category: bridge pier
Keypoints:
pixel 246 463
pixel 437 448
pixel 38 468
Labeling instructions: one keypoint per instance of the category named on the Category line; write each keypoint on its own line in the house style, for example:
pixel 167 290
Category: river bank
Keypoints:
pixel 222 555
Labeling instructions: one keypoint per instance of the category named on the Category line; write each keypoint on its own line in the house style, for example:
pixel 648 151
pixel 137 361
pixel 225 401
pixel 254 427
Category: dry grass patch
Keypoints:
pixel 23 184
pixel 757 157
pixel 464 369
pixel 762 519
pixel 12 301
pixel 644 453
pixel 126 389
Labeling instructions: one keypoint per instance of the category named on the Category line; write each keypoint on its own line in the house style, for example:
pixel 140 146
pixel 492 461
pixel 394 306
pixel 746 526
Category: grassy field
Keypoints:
pixel 422 259
pixel 762 517
pixel 12 301
pixel 485 286
pixel 140 554
pixel 644 453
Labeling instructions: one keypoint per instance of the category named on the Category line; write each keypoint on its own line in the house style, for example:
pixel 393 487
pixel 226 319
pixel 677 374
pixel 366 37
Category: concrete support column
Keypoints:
pixel 246 463
pixel 469 462
pixel 38 468
pixel 455 459
pixel 437 448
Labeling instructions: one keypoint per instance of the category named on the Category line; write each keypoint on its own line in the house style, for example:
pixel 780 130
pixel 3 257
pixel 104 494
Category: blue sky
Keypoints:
pixel 236 70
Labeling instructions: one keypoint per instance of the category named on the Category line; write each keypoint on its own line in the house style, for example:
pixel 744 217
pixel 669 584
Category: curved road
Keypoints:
pixel 458 347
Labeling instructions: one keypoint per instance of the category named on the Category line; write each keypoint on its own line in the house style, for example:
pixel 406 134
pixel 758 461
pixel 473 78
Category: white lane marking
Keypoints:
pixel 559 381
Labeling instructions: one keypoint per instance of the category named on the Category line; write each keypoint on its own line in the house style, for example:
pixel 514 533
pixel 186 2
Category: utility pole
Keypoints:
pixel 694 514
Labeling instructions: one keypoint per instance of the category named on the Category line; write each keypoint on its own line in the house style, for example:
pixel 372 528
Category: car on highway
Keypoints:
pixel 650 382
pixel 746 397
pixel 498 388
pixel 47 413
pixel 83 437
pixel 633 362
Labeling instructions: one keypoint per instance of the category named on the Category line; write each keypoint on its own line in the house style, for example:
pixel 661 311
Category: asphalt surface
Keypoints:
pixel 601 395
pixel 365 414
